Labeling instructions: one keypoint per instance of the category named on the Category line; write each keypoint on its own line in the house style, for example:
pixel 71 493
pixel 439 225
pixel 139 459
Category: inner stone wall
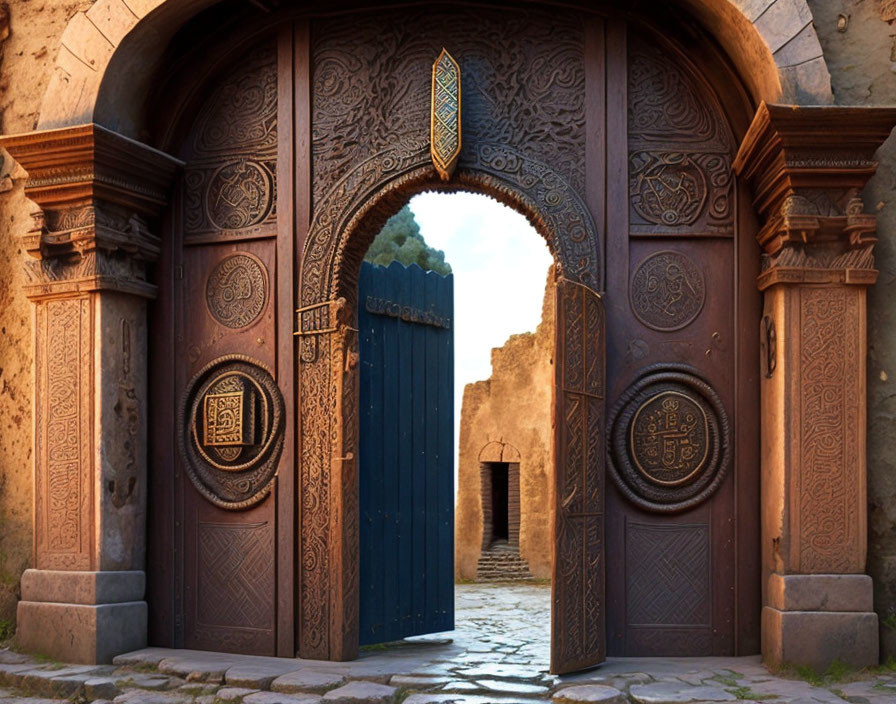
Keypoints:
pixel 859 43
pixel 512 406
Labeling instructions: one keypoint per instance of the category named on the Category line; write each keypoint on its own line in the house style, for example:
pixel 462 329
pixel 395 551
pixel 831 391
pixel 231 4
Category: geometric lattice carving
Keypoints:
pixel 445 119
pixel 236 574
pixel 668 575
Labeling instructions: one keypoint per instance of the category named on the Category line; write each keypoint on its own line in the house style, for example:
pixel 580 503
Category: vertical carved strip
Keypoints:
pixel 578 617
pixel 314 502
pixel 829 488
pixel 63 432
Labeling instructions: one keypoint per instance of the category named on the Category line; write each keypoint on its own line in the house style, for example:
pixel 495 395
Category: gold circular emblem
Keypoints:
pixel 669 438
pixel 231 436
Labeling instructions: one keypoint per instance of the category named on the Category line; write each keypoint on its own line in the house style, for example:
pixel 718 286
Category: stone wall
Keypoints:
pixel 29 41
pixel 512 406
pixel 858 38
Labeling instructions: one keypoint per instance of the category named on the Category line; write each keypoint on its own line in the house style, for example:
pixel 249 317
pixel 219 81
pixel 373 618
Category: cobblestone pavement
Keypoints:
pixel 498 654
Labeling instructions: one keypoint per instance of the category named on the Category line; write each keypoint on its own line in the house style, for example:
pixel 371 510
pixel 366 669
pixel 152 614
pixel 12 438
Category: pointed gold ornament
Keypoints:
pixel 444 130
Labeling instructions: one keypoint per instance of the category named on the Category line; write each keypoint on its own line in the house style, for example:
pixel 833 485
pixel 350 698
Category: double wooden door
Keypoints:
pixel 622 153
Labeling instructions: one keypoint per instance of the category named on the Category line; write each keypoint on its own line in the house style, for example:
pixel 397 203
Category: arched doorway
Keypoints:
pixel 344 200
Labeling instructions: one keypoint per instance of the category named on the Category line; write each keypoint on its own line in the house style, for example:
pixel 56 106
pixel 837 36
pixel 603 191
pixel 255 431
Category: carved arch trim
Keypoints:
pixel 355 209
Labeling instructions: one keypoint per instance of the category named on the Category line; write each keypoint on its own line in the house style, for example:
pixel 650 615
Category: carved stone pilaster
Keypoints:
pixel 87 258
pixel 807 167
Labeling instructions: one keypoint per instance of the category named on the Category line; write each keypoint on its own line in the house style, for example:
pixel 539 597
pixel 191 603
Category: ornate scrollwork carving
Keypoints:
pixel 231 431
pixel 669 439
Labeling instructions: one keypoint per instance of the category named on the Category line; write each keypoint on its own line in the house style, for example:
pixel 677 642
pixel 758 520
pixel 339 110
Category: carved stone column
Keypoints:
pixel 808 166
pixel 88 254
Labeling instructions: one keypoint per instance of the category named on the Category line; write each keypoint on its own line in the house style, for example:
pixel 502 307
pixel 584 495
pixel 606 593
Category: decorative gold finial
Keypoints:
pixel 444 130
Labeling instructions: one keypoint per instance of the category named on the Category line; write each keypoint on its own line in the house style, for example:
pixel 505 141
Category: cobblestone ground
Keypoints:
pixel 498 654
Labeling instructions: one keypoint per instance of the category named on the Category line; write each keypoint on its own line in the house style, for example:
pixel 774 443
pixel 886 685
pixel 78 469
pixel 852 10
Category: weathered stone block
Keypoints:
pixel 83 587
pixel 82 633
pixel 818 638
pixel 821 592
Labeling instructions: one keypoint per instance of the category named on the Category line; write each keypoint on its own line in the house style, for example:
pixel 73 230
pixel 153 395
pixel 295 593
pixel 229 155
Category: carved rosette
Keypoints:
pixel 680 178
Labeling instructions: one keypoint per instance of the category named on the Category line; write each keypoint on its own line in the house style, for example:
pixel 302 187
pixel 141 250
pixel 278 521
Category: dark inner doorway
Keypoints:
pixel 500 496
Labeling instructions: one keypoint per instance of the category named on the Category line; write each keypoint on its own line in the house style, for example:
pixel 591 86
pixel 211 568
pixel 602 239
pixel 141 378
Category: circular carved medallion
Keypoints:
pixel 240 194
pixel 237 290
pixel 231 431
pixel 667 291
pixel 669 439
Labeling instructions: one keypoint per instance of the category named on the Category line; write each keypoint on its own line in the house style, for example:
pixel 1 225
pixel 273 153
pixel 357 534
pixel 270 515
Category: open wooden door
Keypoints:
pixel 578 622
pixel 406 449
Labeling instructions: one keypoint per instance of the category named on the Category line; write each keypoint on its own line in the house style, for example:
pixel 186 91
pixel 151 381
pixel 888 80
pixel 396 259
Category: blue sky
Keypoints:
pixel 500 263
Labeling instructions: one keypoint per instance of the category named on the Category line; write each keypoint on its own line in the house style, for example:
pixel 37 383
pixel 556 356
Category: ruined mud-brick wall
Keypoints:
pixel 858 38
pixel 29 41
pixel 512 406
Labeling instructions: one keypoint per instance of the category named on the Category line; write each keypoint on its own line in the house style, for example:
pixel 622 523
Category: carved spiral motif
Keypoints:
pixel 240 194
pixel 231 431
pixel 667 291
pixel 237 291
pixel 667 189
pixel 669 440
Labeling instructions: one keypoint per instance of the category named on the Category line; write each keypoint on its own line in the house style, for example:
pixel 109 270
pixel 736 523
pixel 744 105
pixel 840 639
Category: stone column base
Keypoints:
pixel 817 619
pixel 82 617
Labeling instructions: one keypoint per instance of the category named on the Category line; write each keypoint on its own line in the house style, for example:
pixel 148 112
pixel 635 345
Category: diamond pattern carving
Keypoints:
pixel 668 574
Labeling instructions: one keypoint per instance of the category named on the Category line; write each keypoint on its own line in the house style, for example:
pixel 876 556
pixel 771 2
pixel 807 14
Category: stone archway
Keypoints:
pixel 92 242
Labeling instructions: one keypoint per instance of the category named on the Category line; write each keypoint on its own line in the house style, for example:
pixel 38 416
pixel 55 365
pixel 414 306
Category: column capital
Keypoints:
pixel 97 191
pixel 807 166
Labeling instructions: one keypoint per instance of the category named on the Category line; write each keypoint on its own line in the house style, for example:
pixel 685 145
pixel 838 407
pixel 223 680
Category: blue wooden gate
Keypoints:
pixel 406 468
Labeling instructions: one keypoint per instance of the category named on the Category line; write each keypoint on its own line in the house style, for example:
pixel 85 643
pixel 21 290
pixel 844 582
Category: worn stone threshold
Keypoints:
pixel 418 673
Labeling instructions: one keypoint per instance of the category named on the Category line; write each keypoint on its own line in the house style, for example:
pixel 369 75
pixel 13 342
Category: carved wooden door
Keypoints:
pixel 221 509
pixel 674 307
pixel 577 613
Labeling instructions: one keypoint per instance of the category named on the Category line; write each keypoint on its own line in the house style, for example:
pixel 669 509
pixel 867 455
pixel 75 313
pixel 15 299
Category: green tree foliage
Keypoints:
pixel 400 240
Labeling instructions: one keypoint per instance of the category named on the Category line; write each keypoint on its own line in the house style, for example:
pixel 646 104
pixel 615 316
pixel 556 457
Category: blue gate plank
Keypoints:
pixel 406 463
